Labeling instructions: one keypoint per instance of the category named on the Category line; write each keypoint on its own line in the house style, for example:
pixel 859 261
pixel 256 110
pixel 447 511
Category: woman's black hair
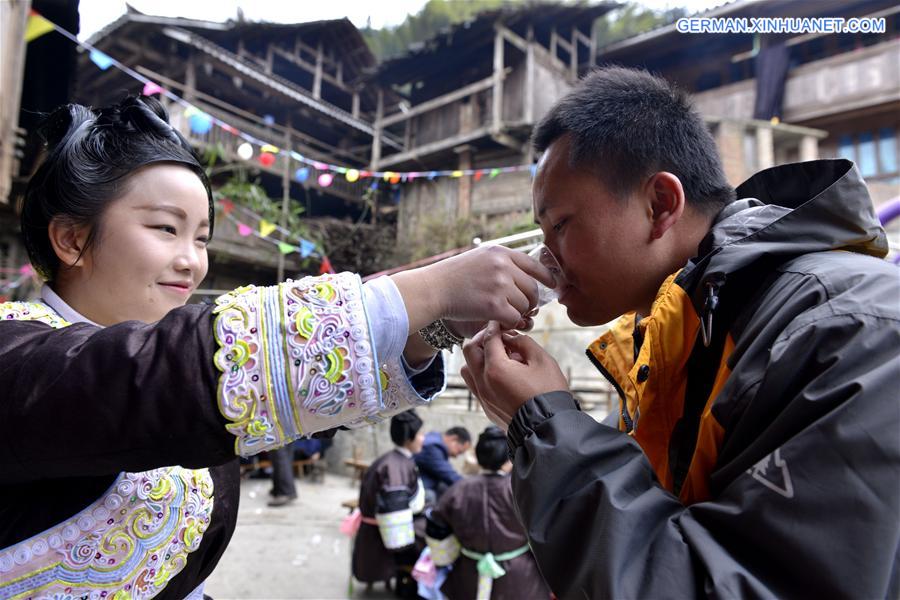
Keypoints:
pixel 90 155
pixel 491 450
pixel 404 427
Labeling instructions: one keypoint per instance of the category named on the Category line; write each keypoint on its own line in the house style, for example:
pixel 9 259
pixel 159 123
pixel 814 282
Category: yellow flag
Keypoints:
pixel 265 228
pixel 37 26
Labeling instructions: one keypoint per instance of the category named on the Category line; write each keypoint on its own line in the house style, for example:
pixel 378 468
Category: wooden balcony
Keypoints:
pixel 851 81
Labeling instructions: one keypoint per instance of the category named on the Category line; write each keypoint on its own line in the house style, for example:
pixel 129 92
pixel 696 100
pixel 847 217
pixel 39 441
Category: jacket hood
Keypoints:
pixel 788 211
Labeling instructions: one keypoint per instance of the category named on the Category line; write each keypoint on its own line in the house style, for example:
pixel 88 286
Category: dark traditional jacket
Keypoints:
pixel 391 499
pixel 93 419
pixel 757 451
pixel 479 513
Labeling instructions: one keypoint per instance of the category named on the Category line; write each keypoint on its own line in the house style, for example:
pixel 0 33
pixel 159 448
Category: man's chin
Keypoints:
pixel 584 318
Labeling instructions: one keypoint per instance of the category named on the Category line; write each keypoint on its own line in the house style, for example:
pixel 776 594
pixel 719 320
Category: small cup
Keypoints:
pixel 543 255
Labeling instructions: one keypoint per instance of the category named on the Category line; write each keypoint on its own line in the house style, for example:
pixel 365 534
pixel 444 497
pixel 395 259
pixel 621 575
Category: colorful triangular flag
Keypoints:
pixel 244 230
pixel 286 248
pixel 325 267
pixel 151 88
pixel 265 228
pixel 306 248
pixel 101 60
pixel 37 26
pixel 227 206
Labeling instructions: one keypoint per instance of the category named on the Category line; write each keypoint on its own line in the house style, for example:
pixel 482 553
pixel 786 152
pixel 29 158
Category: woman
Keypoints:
pixel 110 379
pixel 391 499
pixel 474 528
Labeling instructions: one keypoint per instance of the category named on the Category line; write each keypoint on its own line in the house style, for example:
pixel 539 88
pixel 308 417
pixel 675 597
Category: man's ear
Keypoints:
pixel 69 241
pixel 666 202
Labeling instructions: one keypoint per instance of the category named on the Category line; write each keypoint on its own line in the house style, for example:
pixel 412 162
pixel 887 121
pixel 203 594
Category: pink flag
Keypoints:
pixel 244 230
pixel 151 88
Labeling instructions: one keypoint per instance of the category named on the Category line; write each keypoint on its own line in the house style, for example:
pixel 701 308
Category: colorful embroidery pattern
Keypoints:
pixel 295 359
pixel 128 544
pixel 31 311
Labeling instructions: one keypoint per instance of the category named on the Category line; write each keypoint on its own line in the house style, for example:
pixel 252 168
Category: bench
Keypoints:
pixel 359 468
pixel 317 468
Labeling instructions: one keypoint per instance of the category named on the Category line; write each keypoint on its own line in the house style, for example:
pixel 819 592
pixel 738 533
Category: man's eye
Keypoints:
pixel 559 225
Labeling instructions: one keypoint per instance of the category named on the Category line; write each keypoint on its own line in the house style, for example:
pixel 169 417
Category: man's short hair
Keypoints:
pixel 626 124
pixel 461 433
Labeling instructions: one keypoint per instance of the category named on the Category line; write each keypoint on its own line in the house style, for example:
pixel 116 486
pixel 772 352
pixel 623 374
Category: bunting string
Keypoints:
pixel 201 123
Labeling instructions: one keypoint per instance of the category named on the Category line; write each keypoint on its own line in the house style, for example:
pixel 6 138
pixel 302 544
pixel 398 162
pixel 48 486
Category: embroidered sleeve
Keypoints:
pixel 299 357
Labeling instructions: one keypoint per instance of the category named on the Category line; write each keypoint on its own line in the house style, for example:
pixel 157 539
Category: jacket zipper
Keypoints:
pixel 626 418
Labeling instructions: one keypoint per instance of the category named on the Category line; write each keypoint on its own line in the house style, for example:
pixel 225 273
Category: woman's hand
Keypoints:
pixel 486 284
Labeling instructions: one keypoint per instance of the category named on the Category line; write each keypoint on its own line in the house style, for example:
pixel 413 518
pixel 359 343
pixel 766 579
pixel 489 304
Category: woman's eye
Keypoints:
pixel 203 240
pixel 166 229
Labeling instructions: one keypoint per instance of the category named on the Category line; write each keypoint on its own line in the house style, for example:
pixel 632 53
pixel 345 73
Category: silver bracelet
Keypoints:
pixel 438 336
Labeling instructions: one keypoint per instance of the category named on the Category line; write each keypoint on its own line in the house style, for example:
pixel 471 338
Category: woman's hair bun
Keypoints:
pixel 63 123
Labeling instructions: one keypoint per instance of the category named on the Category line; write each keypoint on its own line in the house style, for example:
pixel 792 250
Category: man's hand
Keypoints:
pixel 504 371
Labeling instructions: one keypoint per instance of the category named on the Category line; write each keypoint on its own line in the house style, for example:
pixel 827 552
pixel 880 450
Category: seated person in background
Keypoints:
pixel 474 527
pixel 433 461
pixel 390 499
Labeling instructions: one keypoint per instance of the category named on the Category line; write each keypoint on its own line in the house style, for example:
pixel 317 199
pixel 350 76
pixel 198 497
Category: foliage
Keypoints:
pixel 435 15
pixel 437 234
pixel 358 247
pixel 631 20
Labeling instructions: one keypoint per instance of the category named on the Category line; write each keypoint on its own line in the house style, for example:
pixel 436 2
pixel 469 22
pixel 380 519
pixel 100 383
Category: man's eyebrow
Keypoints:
pixel 172 209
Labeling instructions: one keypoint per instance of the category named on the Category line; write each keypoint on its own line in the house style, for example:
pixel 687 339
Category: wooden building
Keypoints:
pixel 298 86
pixel 841 94
pixel 469 99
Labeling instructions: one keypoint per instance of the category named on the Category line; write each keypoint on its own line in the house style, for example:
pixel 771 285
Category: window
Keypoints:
pixel 874 152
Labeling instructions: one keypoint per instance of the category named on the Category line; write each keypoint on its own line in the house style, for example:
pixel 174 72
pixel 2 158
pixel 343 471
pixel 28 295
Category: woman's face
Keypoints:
pixel 149 254
pixel 415 445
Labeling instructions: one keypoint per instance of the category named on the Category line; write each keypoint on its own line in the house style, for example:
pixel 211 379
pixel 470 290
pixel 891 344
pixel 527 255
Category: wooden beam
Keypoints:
pixel 497 104
pixel 291 58
pixel 285 197
pixel 529 76
pixel 317 76
pixel 379 126
pixel 504 139
pixel 190 78
pixel 429 105
pixel 573 57
pixel 580 37
pixel 270 58
pixel 512 37
pixel 433 147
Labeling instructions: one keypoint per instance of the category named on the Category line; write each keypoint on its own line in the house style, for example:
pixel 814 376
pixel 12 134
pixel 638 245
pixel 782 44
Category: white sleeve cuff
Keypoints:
pixel 387 317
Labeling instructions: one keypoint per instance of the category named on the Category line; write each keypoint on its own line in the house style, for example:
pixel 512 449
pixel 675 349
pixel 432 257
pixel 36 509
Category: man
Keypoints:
pixel 755 452
pixel 433 461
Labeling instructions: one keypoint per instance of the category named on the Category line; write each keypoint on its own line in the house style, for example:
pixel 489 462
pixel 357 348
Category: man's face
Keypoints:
pixel 597 238
pixel 456 447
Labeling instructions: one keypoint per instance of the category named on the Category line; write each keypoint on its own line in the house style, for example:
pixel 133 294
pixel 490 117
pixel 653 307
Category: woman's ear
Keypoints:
pixel 667 202
pixel 69 241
